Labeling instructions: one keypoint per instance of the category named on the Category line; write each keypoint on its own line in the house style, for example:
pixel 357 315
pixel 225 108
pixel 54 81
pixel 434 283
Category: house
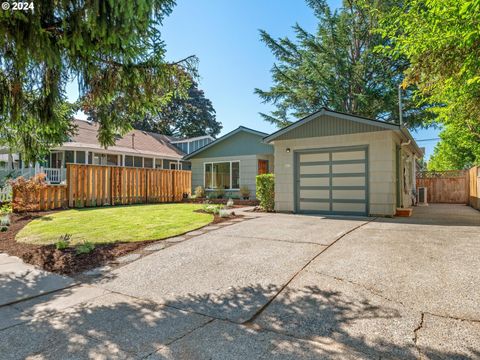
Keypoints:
pixel 137 148
pixel 231 162
pixel 326 163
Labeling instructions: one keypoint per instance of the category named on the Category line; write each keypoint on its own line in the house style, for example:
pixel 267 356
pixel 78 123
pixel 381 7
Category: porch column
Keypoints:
pixel 86 157
pixel 10 161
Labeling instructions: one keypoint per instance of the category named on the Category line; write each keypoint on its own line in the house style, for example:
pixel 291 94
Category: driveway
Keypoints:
pixel 275 286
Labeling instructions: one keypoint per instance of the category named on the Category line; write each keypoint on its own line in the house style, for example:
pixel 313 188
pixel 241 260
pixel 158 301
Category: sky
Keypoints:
pixel 224 35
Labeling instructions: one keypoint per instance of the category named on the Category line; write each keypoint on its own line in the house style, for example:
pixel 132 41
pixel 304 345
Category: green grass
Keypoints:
pixel 115 224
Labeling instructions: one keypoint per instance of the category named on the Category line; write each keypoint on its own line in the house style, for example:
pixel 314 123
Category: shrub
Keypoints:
pixel 5 220
pixel 6 209
pixel 3 228
pixel 224 213
pixel 63 242
pixel 27 192
pixel 199 192
pixel 266 191
pixel 85 248
pixel 212 208
pixel 245 191
pixel 229 203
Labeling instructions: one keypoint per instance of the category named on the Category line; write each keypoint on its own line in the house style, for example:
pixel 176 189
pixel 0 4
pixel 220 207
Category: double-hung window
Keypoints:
pixel 222 175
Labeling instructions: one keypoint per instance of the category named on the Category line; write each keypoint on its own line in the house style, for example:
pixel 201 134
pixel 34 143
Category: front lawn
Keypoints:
pixel 115 224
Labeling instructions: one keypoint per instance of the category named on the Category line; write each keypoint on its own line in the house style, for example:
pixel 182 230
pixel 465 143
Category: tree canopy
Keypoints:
pixel 441 40
pixel 337 67
pixel 188 116
pixel 113 49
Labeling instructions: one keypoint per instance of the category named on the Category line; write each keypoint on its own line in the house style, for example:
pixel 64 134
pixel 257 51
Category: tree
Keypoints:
pixel 189 116
pixel 114 51
pixel 441 41
pixel 338 68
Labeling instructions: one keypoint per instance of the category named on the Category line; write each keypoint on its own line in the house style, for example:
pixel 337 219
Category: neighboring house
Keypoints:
pixel 135 149
pixel 336 163
pixel 231 162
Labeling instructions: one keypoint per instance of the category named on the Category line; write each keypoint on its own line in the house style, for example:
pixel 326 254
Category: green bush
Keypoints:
pixel 199 192
pixel 63 242
pixel 212 208
pixel 6 209
pixel 266 191
pixel 3 228
pixel 220 193
pixel 85 248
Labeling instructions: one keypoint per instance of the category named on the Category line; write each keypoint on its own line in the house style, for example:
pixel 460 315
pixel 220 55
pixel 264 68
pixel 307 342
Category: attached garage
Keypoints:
pixel 332 181
pixel 334 163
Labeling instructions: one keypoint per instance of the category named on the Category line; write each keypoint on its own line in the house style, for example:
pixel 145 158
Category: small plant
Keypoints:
pixel 229 203
pixel 212 208
pixel 245 192
pixel 199 192
pixel 63 242
pixel 266 191
pixel 5 220
pixel 3 228
pixel 6 209
pixel 85 248
pixel 224 213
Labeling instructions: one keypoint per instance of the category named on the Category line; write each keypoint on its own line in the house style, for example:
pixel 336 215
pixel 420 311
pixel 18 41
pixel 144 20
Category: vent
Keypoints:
pixel 422 196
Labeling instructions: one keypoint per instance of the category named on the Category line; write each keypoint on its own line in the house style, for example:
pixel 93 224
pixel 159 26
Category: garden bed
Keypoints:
pixel 67 261
pixel 236 202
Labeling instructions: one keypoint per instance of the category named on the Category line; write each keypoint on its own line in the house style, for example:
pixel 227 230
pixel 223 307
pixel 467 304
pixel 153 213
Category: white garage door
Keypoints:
pixel 332 181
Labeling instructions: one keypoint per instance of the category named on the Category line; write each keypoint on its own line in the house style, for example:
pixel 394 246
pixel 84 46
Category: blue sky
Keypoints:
pixel 225 37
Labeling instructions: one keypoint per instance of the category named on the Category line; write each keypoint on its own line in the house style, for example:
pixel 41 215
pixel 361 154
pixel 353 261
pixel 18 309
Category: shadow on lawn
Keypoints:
pixel 114 326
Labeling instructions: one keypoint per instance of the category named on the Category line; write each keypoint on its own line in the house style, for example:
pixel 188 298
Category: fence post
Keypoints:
pixel 173 185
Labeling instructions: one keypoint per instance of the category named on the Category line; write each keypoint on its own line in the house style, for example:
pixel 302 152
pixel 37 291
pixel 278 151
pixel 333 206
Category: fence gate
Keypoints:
pixel 450 187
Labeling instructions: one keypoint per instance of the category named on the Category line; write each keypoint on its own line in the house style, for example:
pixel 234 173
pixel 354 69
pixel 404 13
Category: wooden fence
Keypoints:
pixel 474 193
pixel 445 187
pixel 49 197
pixel 95 185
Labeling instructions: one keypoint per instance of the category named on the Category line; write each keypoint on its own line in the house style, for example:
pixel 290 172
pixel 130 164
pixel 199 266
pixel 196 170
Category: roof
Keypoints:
pixel 225 137
pixel 143 142
pixel 360 119
pixel 182 140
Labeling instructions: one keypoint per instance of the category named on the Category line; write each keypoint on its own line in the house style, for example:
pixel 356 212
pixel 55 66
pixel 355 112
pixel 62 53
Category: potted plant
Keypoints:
pixel 245 192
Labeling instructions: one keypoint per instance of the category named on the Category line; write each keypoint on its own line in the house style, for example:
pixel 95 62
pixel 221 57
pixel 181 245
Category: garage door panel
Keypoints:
pixel 348 155
pixel 348 181
pixel 314 169
pixel 314 194
pixel 348 168
pixel 314 157
pixel 348 194
pixel 349 207
pixel 325 181
pixel 314 206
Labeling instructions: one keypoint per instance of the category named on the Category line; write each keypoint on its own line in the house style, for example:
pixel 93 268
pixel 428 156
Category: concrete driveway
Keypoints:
pixel 275 286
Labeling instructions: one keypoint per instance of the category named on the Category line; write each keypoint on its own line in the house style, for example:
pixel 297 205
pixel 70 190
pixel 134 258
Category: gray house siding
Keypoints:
pixel 326 125
pixel 242 143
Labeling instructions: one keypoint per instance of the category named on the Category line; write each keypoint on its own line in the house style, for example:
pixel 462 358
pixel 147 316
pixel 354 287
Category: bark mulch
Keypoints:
pixel 66 261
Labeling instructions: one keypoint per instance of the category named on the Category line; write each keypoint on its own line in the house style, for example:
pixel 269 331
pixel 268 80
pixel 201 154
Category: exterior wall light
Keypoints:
pixel 288 150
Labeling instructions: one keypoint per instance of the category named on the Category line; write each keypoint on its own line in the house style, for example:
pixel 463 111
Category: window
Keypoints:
pixel 112 159
pixel 80 157
pixel 97 159
pixel 158 163
pixel 222 175
pixel 173 166
pixel 137 161
pixel 148 162
pixel 128 160
pixel 69 157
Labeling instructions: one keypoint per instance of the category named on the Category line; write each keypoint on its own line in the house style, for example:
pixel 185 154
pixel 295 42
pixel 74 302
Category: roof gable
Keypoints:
pixel 241 141
pixel 328 123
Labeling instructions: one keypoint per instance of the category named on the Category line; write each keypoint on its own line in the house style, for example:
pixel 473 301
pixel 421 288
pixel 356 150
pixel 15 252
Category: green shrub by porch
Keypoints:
pixel 265 185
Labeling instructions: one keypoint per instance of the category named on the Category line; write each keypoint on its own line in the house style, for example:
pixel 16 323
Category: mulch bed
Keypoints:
pixel 236 202
pixel 65 261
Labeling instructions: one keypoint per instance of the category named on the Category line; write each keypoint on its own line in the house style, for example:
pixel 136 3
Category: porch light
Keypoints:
pixel 288 150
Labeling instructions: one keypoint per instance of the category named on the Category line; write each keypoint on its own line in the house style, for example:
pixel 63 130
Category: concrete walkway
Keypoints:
pixel 276 286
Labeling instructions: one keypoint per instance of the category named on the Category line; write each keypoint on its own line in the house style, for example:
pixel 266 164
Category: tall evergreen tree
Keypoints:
pixel 112 48
pixel 188 116
pixel 337 67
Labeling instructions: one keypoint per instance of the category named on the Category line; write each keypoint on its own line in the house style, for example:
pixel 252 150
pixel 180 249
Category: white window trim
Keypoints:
pixel 221 162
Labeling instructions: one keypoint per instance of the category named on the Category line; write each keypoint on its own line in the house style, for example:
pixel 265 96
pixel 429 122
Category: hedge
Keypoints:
pixel 266 191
